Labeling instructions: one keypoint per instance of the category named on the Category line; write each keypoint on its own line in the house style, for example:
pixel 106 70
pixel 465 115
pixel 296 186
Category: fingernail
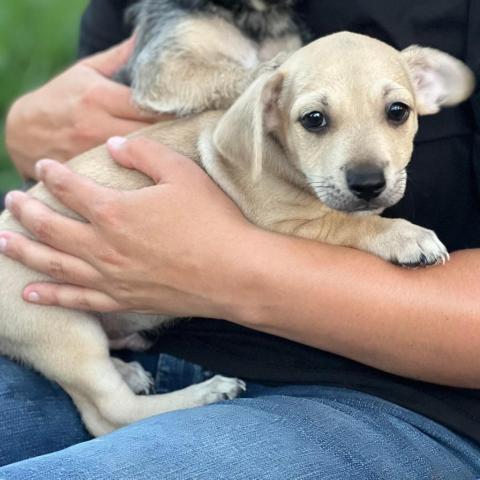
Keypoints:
pixel 116 142
pixel 33 297
pixel 8 201
pixel 3 244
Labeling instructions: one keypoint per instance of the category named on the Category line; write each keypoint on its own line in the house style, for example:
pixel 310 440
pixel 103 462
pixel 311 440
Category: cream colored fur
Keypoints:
pixel 201 70
pixel 268 163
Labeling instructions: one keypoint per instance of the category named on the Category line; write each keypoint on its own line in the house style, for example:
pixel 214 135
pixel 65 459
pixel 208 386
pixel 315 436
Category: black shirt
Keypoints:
pixel 442 194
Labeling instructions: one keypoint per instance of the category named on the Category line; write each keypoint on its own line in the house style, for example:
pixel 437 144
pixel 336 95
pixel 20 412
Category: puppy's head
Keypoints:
pixel 343 113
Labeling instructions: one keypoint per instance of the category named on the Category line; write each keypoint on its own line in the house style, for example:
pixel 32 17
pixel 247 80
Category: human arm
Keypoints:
pixel 421 324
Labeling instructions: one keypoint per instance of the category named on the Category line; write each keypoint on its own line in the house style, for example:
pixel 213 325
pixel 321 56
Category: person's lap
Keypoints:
pixel 36 416
pixel 289 432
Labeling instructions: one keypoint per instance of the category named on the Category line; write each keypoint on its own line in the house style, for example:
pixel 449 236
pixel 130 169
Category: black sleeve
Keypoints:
pixel 102 26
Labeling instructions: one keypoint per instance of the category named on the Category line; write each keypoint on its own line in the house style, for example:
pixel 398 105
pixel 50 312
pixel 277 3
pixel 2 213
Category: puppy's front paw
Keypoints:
pixel 409 245
pixel 219 388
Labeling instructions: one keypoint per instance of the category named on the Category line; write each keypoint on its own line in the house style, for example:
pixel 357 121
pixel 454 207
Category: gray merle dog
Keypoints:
pixel 197 55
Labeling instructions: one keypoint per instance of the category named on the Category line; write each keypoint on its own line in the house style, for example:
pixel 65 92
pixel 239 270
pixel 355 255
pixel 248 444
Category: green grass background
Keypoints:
pixel 38 38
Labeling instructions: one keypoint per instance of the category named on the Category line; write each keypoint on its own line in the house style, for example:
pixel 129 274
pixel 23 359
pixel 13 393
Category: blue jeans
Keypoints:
pixel 285 432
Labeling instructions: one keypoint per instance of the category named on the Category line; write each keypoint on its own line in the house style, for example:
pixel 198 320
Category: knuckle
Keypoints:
pixel 41 228
pixel 106 212
pixel 108 257
pixel 83 133
pixel 14 248
pixel 83 302
pixel 56 182
pixel 123 290
pixel 122 285
pixel 86 122
pixel 56 270
pixel 92 95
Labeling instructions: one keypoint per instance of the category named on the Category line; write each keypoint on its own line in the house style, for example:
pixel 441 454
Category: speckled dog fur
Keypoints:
pixel 193 55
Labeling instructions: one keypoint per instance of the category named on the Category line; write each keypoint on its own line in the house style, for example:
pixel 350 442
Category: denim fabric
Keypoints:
pixel 36 416
pixel 286 432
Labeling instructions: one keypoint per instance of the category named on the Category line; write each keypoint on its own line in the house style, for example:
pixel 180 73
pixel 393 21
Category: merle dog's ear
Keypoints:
pixel 244 132
pixel 438 79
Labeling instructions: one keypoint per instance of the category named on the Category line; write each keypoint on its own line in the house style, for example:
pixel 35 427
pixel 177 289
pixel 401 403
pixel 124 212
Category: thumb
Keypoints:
pixel 153 159
pixel 110 61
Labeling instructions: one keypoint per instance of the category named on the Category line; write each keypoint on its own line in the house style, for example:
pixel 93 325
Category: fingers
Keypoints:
pixel 117 101
pixel 69 296
pixel 41 258
pixel 78 193
pixel 110 61
pixel 155 160
pixel 49 227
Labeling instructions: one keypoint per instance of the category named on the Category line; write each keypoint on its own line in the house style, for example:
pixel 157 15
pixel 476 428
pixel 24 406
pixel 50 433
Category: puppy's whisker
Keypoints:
pixel 321 185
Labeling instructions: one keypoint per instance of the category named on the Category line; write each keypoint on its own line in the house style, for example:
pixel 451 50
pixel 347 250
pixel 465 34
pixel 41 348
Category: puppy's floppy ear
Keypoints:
pixel 438 78
pixel 243 133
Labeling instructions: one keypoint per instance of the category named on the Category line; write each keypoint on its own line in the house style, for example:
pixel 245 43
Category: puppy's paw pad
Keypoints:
pixel 221 388
pixel 138 379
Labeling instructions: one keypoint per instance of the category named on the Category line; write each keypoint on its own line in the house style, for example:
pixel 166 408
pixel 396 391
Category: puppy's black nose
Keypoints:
pixel 366 181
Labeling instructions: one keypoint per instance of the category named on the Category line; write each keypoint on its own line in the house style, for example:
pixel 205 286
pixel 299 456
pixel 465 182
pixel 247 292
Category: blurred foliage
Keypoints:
pixel 38 38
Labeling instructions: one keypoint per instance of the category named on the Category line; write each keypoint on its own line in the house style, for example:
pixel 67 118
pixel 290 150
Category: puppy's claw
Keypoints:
pixel 242 385
pixel 411 246
pixel 219 388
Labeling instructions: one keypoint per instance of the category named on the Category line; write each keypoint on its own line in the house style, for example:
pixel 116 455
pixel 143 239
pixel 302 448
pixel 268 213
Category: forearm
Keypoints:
pixel 422 324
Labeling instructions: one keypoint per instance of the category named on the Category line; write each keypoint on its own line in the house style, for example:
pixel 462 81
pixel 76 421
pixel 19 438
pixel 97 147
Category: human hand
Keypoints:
pixel 78 110
pixel 178 247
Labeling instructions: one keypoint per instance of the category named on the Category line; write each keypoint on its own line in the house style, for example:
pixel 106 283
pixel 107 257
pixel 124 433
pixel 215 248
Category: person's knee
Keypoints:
pixel 264 438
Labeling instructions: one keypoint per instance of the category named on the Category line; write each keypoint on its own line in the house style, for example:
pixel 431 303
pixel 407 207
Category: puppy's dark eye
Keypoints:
pixel 398 113
pixel 314 121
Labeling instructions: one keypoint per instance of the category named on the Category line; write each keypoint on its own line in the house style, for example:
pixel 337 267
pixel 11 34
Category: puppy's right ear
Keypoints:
pixel 438 79
pixel 244 132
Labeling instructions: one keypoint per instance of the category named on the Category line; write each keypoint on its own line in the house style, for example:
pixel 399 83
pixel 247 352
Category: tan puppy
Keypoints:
pixel 306 146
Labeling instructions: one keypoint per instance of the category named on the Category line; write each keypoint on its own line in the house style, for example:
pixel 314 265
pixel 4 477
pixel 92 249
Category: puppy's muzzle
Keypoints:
pixel 366 181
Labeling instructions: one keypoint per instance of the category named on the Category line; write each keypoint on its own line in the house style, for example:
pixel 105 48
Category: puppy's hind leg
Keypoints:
pixel 75 354
pixel 106 402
